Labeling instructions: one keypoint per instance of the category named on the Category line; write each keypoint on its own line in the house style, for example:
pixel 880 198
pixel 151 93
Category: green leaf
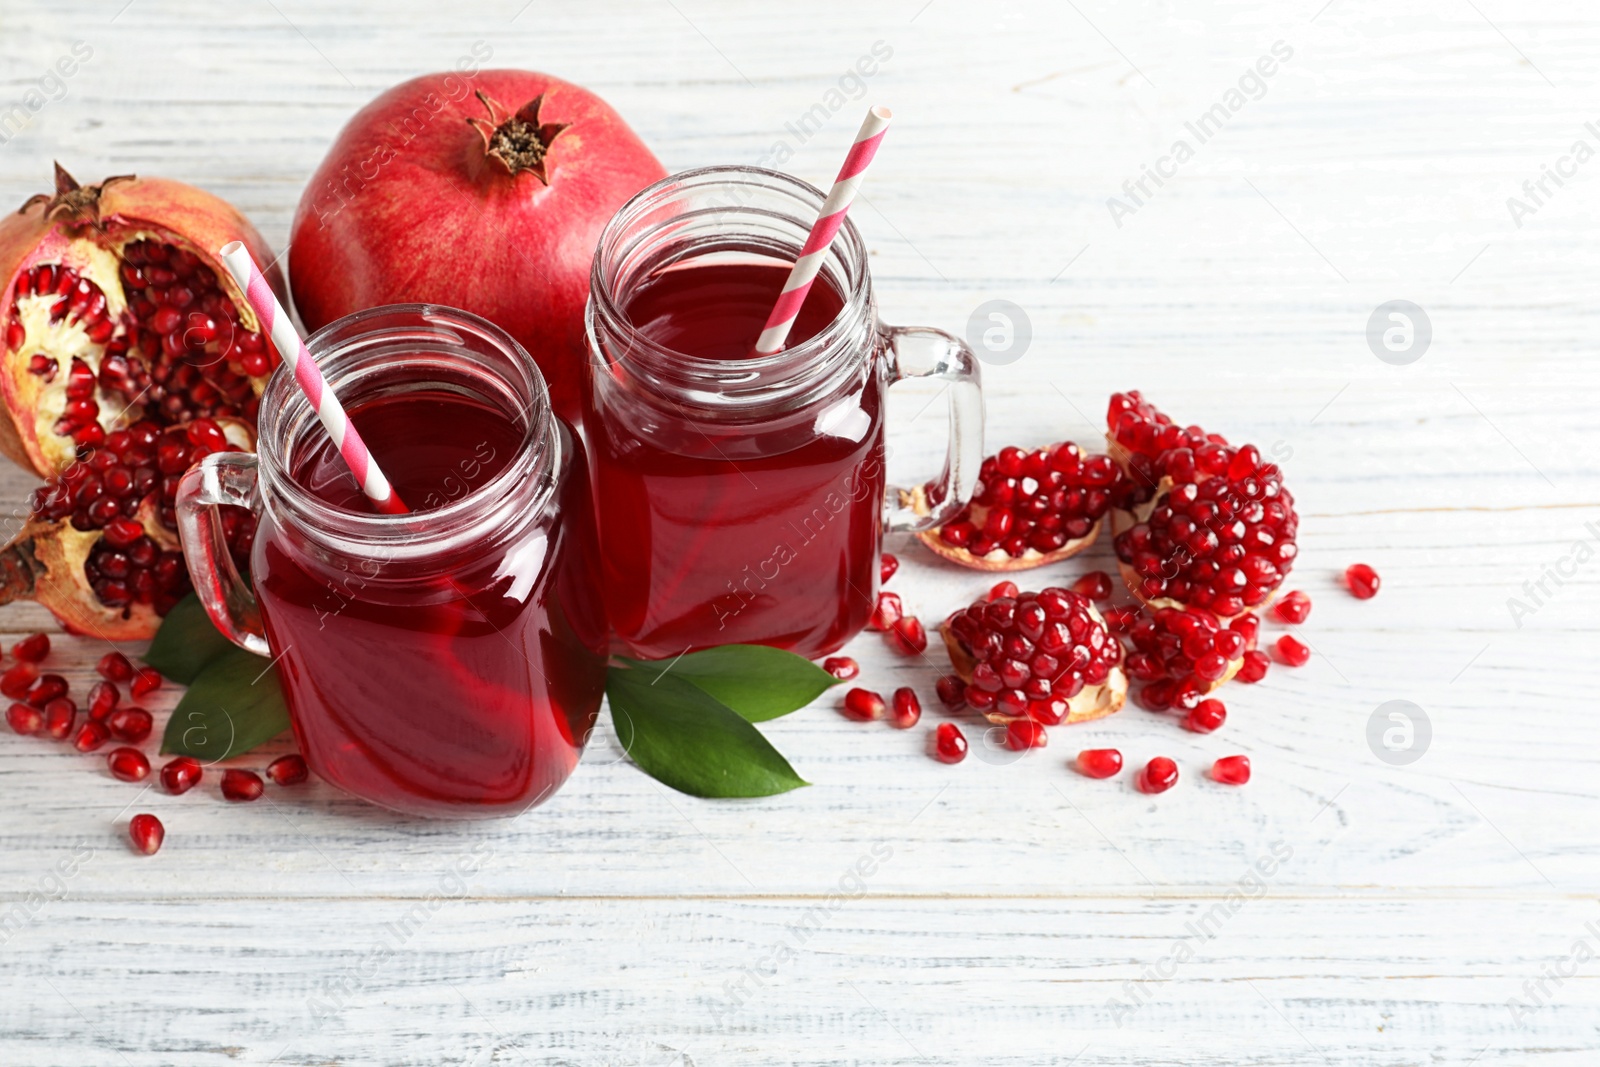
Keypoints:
pixel 186 642
pixel 683 737
pixel 757 682
pixel 233 705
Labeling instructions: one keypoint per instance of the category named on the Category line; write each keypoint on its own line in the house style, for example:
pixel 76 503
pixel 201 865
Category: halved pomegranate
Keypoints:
pixel 1045 656
pixel 1203 523
pixel 100 547
pixel 1029 509
pixel 114 310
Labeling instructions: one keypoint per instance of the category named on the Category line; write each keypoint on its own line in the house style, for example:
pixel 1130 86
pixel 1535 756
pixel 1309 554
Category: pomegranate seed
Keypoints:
pixel 130 724
pixel 146 833
pixel 1206 716
pixel 1158 776
pixel 1024 734
pixel 907 636
pixel 180 775
pixel 146 680
pixel 887 565
pixel 1294 608
pixel 49 687
pixel 1363 581
pixel 952 691
pixel 1293 651
pixel 863 705
pixel 1096 585
pixel 32 649
pixel 288 770
pixel 887 612
pixel 114 667
pixel 241 785
pixel 1246 626
pixel 16 681
pixel 1099 762
pixel 59 716
pixel 1231 770
pixel 91 735
pixel 1004 589
pixel 103 699
pixel 949 743
pixel 25 718
pixel 841 667
pixel 128 764
pixel 1255 666
pixel 1121 620
pixel 907 709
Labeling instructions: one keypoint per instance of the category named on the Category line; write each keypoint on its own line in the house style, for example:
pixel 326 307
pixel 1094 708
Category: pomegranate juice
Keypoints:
pixel 463 683
pixel 720 532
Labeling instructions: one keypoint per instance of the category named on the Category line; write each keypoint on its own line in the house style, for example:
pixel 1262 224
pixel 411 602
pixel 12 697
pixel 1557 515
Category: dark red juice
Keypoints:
pixel 716 534
pixel 467 682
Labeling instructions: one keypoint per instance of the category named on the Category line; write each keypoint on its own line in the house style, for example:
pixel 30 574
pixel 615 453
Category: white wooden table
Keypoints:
pixel 1016 913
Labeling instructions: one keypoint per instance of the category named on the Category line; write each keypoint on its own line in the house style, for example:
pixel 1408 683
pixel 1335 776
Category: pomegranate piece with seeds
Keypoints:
pixel 888 563
pixel 32 649
pixel 181 774
pixel 907 636
pixel 25 719
pixel 1231 770
pixel 907 709
pixel 1362 580
pixel 1203 523
pixel 114 667
pixel 841 667
pixel 1029 509
pixel 1043 656
pixel 1099 762
pixel 863 705
pixel 288 770
pixel 1294 608
pixel 1181 656
pixel 1158 776
pixel 238 785
pixel 146 833
pixel 949 743
pixel 1293 651
pixel 128 764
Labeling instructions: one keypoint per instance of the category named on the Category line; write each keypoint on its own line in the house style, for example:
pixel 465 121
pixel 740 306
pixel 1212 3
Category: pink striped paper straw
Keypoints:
pixel 823 231
pixel 276 325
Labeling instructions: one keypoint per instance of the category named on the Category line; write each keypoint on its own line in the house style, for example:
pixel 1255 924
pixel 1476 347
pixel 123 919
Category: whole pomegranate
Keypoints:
pixel 100 547
pixel 115 311
pixel 485 193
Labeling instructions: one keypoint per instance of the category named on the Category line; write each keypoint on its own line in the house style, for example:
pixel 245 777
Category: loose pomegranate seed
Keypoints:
pixel 146 680
pixel 103 698
pixel 949 743
pixel 1023 734
pixel 1255 666
pixel 1028 505
pixel 59 717
pixel 1096 585
pixel 907 709
pixel 1362 580
pixel 130 724
pixel 114 667
pixel 1002 590
pixel 887 611
pixel 180 775
pixel 952 691
pixel 887 565
pixel 16 681
pixel 1206 716
pixel 1158 776
pixel 25 718
pixel 128 764
pixel 1099 762
pixel 863 705
pixel 32 649
pixel 1294 608
pixel 842 667
pixel 288 770
pixel 241 785
pixel 1231 770
pixel 146 833
pixel 907 636
pixel 1293 651
pixel 49 687
pixel 91 735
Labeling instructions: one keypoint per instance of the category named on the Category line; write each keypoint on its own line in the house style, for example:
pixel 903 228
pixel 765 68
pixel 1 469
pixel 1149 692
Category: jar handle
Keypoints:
pixel 220 478
pixel 924 352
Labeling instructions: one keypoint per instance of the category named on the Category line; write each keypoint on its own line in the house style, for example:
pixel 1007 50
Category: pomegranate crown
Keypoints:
pixel 77 205
pixel 520 142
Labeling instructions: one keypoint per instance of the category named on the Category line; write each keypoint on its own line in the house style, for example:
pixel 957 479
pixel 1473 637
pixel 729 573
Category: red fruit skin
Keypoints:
pixel 408 207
